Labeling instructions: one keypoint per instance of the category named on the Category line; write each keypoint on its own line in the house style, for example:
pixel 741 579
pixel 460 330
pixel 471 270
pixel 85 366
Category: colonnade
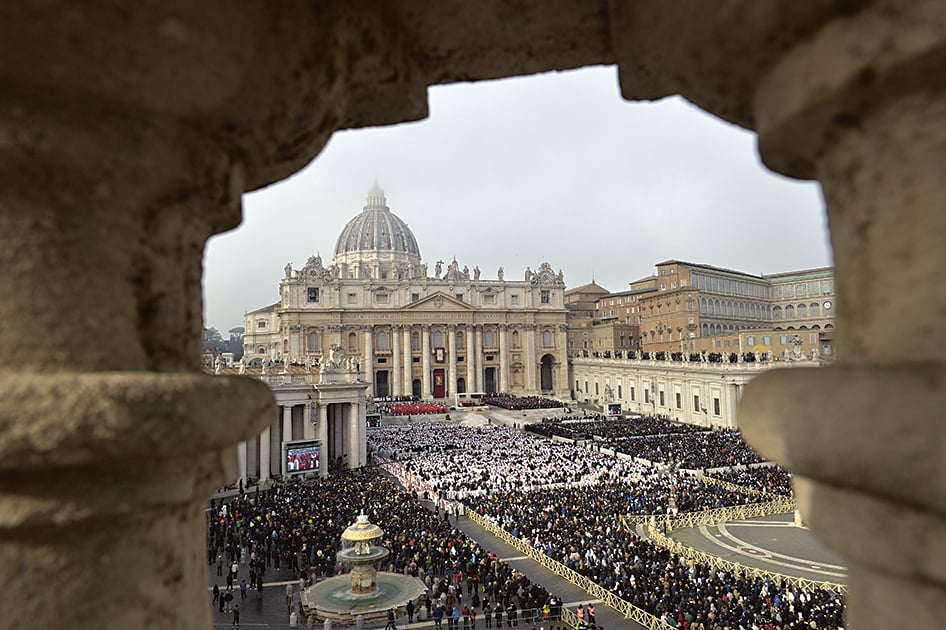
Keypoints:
pixel 408 358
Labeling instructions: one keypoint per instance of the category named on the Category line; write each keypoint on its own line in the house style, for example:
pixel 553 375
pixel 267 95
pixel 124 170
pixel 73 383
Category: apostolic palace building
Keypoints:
pixel 408 330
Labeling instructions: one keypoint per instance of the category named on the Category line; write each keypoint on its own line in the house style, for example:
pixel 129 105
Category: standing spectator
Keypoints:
pixel 438 617
pixel 216 594
pixel 242 589
pixel 236 616
pixel 391 625
pixel 410 611
pixel 498 613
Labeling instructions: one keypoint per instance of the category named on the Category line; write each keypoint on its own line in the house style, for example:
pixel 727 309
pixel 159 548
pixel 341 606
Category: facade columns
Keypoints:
pixel 241 461
pixel 562 386
pixel 369 358
pixel 323 440
pixel 308 428
pixel 396 383
pixel 477 359
pixel 452 359
pixel 408 363
pixel 425 360
pixel 530 330
pixel 503 358
pixel 287 423
pixel 264 451
pixel 871 125
pixel 470 360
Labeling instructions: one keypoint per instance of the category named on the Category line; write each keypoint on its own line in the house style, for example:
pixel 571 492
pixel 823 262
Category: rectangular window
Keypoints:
pixel 261 324
pixel 489 299
pixel 812 337
pixel 545 297
pixel 750 341
pixel 696 402
pixel 596 389
pixel 382 298
pixel 514 300
pixel 679 400
pixel 662 403
pixel 647 396
pixel 459 296
pixel 415 359
pixel 586 387
pixel 783 339
pixel 415 297
pixel 577 386
pixel 382 359
pixel 352 298
pixel 312 294
pixel 715 406
pixel 766 340
pixel 619 392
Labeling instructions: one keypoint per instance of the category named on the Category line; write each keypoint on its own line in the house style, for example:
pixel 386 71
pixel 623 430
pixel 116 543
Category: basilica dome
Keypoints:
pixel 376 233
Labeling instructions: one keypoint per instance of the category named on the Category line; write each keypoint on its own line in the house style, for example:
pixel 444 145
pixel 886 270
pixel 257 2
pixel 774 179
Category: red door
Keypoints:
pixel 440 386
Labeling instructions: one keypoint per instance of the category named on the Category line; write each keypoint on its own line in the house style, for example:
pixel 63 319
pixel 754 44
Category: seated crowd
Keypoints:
pixel 578 523
pixel 772 479
pixel 410 408
pixel 453 461
pixel 519 403
pixel 600 426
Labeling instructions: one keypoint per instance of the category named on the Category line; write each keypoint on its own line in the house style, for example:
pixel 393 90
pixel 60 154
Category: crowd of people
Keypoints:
pixel 605 428
pixel 578 520
pixel 772 479
pixel 658 440
pixel 420 408
pixel 521 403
pixel 582 530
pixel 294 529
pixel 452 461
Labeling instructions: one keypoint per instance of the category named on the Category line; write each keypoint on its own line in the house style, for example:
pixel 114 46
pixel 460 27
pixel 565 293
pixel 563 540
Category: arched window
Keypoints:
pixel 777 312
pixel 285 346
pixel 459 339
pixel 789 312
pixel 546 339
pixel 352 342
pixel 515 339
pixel 438 339
pixel 381 340
pixel 261 350
pixel 802 310
pixel 415 341
pixel 313 342
pixel 488 339
pixel 814 310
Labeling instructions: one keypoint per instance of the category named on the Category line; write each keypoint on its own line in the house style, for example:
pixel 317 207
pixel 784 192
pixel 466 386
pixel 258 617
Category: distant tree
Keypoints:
pixel 215 339
pixel 235 343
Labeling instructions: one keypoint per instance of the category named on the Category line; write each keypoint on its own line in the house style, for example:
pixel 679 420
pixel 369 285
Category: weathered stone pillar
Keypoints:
pixel 865 437
pixel 113 438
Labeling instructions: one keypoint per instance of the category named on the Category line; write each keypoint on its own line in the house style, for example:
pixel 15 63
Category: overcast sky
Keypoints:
pixel 512 173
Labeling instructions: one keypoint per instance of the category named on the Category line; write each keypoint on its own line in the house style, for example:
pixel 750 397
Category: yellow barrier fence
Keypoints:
pixel 778 505
pixel 675 546
pixel 596 591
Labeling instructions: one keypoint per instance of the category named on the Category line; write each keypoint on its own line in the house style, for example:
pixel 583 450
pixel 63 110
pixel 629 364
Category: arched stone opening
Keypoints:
pixel 125 148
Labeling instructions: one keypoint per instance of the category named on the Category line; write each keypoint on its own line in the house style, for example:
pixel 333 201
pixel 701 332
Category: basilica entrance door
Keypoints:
pixel 381 386
pixel 489 380
pixel 440 386
pixel 416 388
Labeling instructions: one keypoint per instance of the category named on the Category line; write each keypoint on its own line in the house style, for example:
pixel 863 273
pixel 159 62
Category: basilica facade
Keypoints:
pixel 409 330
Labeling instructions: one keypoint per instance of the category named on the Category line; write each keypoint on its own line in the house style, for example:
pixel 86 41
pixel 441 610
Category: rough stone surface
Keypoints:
pixel 128 133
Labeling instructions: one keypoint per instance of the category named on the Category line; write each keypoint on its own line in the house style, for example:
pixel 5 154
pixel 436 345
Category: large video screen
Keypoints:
pixel 302 457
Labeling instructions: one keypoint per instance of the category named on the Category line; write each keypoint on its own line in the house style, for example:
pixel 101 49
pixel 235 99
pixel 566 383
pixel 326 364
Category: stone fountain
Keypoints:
pixel 365 591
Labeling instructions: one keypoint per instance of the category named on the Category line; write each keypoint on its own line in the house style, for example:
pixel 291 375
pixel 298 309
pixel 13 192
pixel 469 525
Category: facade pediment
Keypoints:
pixel 439 302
